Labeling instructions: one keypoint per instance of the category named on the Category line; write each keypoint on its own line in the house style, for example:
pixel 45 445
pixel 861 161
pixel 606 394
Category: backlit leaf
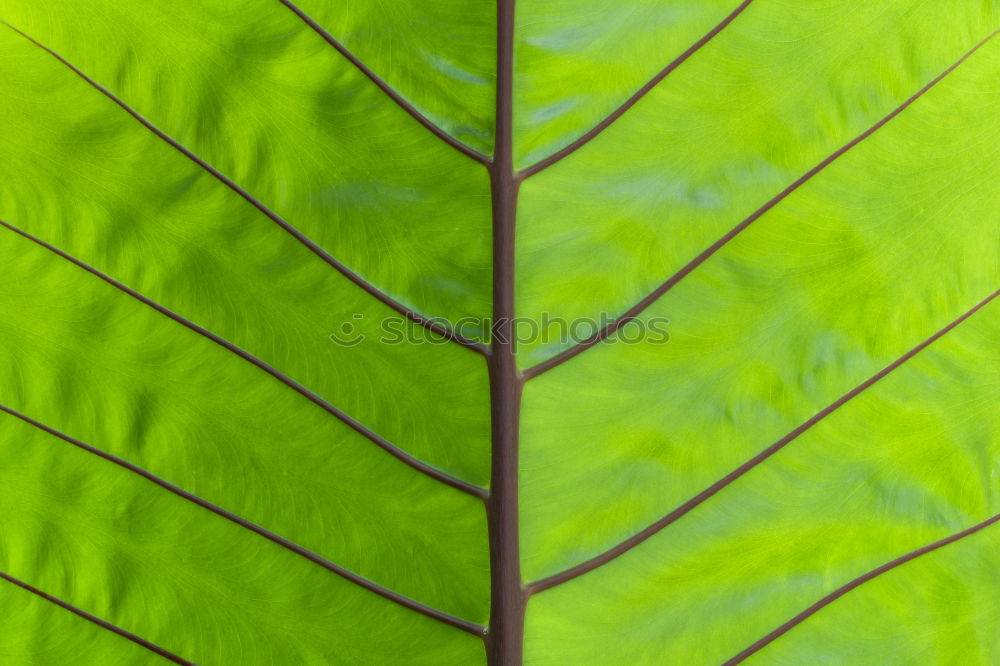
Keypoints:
pixel 262 400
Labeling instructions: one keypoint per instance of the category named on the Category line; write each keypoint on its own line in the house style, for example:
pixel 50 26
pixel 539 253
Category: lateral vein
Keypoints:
pixel 346 574
pixel 340 267
pixel 104 624
pixel 634 99
pixel 385 87
pixel 673 280
pixel 857 582
pixel 315 398
pixel 681 511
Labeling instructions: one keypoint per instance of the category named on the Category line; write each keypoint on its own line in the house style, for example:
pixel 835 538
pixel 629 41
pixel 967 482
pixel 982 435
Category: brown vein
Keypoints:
pixel 694 502
pixel 385 87
pixel 857 582
pixel 505 634
pixel 671 282
pixel 631 101
pixel 383 592
pixel 390 448
pixel 152 647
pixel 370 288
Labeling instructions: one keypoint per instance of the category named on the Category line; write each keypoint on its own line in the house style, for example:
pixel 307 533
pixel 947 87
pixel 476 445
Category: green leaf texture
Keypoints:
pixel 194 197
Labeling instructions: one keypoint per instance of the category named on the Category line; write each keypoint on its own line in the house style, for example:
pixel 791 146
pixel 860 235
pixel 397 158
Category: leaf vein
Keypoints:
pixel 98 621
pixel 385 87
pixel 676 278
pixel 346 574
pixel 340 267
pixel 315 398
pixel 857 582
pixel 634 99
pixel 678 513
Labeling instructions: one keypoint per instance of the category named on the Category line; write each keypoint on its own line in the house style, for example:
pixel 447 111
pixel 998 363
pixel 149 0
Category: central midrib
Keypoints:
pixel 504 635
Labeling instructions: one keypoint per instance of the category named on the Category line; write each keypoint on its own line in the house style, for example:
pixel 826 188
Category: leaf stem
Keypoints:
pixel 504 636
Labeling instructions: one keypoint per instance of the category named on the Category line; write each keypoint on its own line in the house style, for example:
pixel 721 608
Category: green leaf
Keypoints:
pixel 262 400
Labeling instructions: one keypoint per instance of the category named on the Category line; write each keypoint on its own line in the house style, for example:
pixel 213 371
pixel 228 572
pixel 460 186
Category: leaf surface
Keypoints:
pixel 198 200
